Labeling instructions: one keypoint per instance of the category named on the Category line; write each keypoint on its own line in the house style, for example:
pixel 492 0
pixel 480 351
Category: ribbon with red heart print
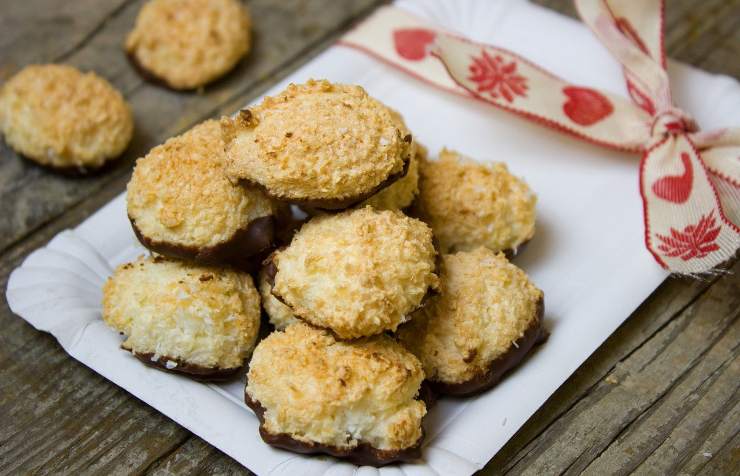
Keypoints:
pixel 689 179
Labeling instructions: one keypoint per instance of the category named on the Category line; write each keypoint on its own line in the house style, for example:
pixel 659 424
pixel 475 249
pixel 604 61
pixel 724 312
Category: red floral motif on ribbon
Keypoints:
pixel 695 241
pixel 494 76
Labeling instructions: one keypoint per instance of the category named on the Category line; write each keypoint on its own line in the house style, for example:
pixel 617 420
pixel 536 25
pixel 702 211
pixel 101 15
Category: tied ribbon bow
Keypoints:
pixel 689 179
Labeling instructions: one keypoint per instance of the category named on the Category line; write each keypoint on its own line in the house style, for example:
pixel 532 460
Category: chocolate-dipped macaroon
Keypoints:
pixel 485 320
pixel 357 273
pixel 198 321
pixel 181 204
pixel 357 400
pixel 320 145
pixel 470 204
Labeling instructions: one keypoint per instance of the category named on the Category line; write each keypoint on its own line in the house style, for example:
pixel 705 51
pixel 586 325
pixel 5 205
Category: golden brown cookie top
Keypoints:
pixel 485 304
pixel 205 316
pixel 63 118
pixel 179 194
pixel 358 273
pixel 316 141
pixel 315 388
pixel 470 204
pixel 188 43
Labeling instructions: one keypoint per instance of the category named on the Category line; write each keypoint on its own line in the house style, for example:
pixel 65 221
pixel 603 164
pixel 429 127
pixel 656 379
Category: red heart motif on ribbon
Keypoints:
pixel 676 188
pixel 586 106
pixel 412 43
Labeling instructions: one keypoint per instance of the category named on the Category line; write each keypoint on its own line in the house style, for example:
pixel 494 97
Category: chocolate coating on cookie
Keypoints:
pixel 64 119
pixel 185 44
pixel 362 455
pixel 357 273
pixel 470 204
pixel 357 400
pixel 318 144
pixel 179 366
pixel 321 206
pixel 486 318
pixel 534 335
pixel 237 250
pixel 181 204
pixel 196 320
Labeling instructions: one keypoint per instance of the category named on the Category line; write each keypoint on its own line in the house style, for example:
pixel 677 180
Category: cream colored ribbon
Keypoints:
pixel 689 179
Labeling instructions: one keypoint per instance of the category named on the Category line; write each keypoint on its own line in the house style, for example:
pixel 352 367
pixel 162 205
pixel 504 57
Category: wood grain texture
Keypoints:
pixel 660 396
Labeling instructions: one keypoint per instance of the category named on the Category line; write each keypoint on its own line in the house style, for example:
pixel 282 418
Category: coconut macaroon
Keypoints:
pixel 357 273
pixel 186 44
pixel 279 315
pixel 181 204
pixel 195 320
pixel 64 119
pixel 356 400
pixel 469 204
pixel 319 145
pixel 486 318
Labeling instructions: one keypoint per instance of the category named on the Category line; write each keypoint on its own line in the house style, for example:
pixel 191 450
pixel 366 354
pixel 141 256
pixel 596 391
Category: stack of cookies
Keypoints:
pixel 396 287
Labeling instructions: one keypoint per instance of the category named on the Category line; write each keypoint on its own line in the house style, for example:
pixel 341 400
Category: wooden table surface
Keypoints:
pixel 661 396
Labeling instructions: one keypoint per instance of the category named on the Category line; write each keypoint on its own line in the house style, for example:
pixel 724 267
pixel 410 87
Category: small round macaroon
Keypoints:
pixel 319 145
pixel 357 400
pixel 357 273
pixel 64 119
pixel 198 321
pixel 279 315
pixel 485 320
pixel 181 204
pixel 470 204
pixel 185 44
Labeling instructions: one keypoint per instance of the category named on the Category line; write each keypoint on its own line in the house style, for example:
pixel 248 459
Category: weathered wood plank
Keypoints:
pixel 196 456
pixel 677 428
